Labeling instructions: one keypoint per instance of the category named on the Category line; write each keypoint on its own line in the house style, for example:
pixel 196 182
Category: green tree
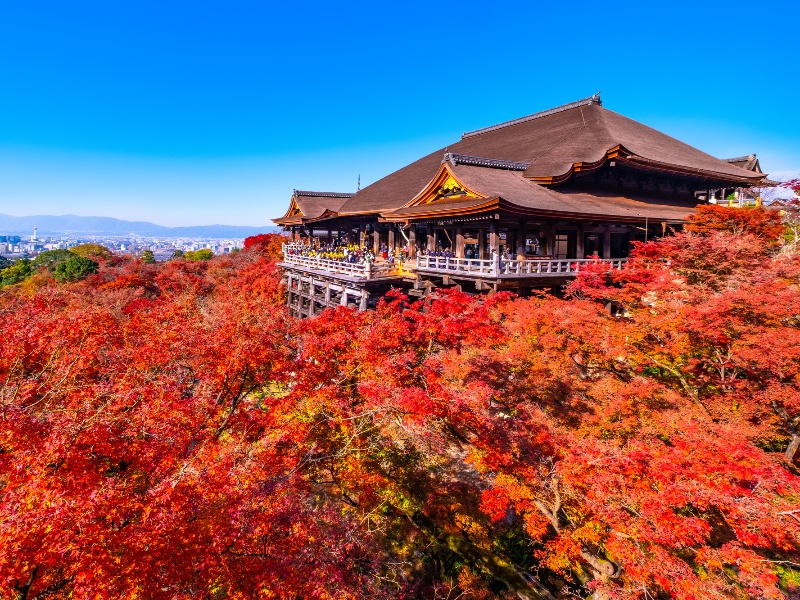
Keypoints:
pixel 203 254
pixel 177 254
pixel 147 257
pixel 18 271
pixel 50 258
pixel 75 269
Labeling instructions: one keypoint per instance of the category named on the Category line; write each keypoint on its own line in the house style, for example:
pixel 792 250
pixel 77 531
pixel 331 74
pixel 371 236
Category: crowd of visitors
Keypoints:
pixel 349 253
pixel 355 254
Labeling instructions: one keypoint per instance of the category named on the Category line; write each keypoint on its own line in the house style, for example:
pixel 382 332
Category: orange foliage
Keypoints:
pixel 168 431
pixel 758 221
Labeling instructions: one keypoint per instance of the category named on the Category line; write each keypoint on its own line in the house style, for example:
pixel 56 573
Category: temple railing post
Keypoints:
pixel 495 264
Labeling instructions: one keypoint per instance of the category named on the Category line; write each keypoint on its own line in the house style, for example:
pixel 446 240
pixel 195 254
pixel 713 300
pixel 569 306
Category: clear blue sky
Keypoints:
pixel 188 113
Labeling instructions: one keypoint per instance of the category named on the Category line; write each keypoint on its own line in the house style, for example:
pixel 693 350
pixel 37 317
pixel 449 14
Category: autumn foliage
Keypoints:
pixel 268 244
pixel 169 432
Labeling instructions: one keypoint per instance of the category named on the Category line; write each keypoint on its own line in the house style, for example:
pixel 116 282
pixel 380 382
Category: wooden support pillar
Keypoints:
pixel 482 244
pixel 431 238
pixel 494 239
pixel 362 306
pixel 330 235
pixel 361 235
pixel 550 246
pixel 521 232
pixel 298 299
pixel 376 240
pixel 607 241
pixel 327 293
pixel 392 238
pixel 412 241
pixel 579 254
pixel 459 249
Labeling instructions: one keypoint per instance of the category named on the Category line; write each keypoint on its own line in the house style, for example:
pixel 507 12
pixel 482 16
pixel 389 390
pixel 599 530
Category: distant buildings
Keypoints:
pixel 13 246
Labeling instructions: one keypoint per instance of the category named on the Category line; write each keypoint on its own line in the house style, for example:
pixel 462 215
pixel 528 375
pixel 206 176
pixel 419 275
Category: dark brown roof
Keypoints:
pixel 553 142
pixel 312 205
pixel 748 163
pixel 512 191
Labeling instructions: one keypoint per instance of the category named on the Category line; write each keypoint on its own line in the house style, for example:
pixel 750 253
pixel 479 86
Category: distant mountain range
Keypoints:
pixel 73 224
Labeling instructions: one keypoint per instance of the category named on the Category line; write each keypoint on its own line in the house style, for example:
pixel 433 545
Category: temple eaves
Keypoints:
pixel 551 111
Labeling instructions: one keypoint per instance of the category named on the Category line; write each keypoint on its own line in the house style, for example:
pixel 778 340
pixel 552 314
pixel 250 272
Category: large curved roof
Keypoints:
pixel 553 142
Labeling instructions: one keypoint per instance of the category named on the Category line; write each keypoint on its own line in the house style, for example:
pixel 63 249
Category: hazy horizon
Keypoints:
pixel 149 222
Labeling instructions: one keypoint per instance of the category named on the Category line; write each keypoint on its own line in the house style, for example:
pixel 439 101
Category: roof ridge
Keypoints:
pixel 545 113
pixel 325 194
pixel 479 161
pixel 740 158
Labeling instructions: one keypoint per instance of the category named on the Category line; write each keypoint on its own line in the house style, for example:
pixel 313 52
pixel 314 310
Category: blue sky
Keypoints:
pixel 190 113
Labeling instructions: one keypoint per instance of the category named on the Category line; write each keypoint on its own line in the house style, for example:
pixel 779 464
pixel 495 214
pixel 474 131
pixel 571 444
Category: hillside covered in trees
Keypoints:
pixel 167 431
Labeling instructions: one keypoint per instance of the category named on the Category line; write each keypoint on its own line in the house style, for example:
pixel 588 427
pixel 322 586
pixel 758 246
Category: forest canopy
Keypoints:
pixel 169 431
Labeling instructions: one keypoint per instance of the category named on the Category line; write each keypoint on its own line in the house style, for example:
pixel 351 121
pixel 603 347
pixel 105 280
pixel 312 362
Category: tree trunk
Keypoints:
pixel 793 450
pixel 520 583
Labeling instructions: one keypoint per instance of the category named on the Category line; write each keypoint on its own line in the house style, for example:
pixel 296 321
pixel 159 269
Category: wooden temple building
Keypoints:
pixel 518 205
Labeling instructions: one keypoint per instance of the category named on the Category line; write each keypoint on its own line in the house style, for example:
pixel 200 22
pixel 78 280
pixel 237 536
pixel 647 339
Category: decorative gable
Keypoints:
pixel 443 187
pixel 294 209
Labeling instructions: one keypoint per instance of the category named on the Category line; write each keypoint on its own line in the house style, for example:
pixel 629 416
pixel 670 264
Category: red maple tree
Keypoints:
pixel 168 431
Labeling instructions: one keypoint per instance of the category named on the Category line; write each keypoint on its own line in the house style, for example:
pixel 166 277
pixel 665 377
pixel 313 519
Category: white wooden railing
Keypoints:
pixel 367 270
pixel 462 265
pixel 455 266
pixel 497 266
